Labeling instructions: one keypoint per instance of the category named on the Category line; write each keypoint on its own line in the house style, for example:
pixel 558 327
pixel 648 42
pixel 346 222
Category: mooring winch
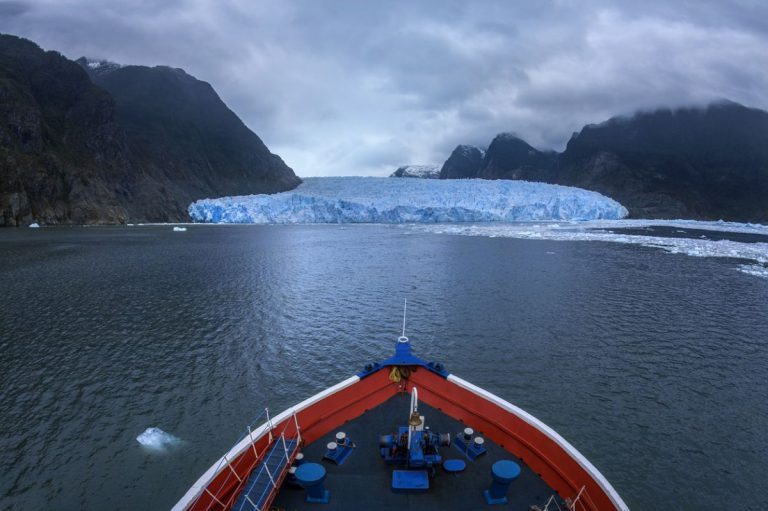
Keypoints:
pixel 414 446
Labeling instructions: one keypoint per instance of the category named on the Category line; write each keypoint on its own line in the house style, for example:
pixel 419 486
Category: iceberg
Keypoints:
pixel 34 225
pixel 156 439
pixel 397 201
pixel 179 229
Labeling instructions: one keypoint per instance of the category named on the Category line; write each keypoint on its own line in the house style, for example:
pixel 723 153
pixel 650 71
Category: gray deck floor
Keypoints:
pixel 363 481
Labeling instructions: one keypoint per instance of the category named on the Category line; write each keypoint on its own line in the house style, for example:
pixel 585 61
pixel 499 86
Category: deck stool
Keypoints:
pixel 503 473
pixel 311 477
pixel 454 466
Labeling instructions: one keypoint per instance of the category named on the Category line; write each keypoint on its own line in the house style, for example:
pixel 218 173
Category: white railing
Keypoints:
pixel 570 504
pixel 269 456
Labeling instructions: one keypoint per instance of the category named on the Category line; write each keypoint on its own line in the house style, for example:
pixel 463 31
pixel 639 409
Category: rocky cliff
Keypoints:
pixel 509 157
pixel 464 162
pixel 708 163
pixel 139 145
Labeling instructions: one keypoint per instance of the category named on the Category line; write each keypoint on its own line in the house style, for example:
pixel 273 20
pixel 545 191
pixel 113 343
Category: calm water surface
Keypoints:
pixel 653 365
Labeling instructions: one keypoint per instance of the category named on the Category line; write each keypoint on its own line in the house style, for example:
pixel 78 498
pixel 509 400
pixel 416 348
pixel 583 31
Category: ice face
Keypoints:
pixel 156 439
pixel 393 201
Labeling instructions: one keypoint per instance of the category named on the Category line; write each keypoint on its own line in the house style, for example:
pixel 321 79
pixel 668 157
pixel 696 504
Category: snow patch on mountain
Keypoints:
pixel 419 171
pixel 101 65
pixel 466 150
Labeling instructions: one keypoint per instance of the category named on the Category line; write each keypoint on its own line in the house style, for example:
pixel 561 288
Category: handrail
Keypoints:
pixel 263 458
pixel 570 504
pixel 283 455
pixel 268 454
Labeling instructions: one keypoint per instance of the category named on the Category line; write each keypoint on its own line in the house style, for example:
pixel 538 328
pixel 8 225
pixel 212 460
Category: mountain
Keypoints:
pixel 181 128
pixel 702 163
pixel 419 171
pixel 62 153
pixel 707 163
pixel 72 152
pixel 509 157
pixel 465 162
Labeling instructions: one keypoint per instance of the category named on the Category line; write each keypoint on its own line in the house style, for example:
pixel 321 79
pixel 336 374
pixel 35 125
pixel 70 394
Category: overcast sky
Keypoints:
pixel 359 88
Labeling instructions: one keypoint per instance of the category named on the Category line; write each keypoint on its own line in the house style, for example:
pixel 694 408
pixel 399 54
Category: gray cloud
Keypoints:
pixel 13 8
pixel 344 87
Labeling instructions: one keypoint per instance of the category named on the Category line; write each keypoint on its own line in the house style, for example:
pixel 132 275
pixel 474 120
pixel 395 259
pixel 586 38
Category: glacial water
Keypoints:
pixel 653 364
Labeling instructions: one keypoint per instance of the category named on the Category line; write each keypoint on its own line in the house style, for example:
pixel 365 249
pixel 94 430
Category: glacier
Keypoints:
pixel 396 201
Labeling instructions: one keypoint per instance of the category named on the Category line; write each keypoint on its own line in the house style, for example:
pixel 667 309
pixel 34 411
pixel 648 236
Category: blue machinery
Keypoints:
pixel 338 451
pixel 470 447
pixel 414 447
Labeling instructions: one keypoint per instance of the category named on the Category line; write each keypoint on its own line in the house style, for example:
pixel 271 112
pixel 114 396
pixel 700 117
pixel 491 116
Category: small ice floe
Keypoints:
pixel 34 225
pixel 179 229
pixel 755 253
pixel 156 439
pixel 757 270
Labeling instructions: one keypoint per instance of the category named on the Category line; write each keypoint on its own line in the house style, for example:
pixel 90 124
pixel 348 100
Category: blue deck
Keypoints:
pixel 365 480
pixel 259 485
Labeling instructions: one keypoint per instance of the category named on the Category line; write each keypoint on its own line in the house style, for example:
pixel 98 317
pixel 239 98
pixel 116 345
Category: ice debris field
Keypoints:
pixel 750 257
pixel 395 201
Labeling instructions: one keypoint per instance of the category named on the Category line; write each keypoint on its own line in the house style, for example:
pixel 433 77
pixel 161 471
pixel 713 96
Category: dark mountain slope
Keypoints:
pixel 465 162
pixel 62 155
pixel 182 129
pixel 509 157
pixel 697 163
pixel 70 152
pixel 706 163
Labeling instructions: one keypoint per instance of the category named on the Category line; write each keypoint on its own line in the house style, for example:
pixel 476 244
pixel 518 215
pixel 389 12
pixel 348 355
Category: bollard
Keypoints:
pixel 503 473
pixel 311 477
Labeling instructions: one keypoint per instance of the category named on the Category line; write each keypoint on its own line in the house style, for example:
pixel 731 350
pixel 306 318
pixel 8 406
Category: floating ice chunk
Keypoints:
pixel 156 439
pixel 34 225
pixel 395 201
pixel 179 229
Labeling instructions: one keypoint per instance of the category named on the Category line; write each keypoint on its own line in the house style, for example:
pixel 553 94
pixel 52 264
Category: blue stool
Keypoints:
pixel 311 477
pixel 454 466
pixel 503 472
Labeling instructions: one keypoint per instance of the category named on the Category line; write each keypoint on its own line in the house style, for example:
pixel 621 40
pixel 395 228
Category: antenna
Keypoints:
pixel 403 338
pixel 405 308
